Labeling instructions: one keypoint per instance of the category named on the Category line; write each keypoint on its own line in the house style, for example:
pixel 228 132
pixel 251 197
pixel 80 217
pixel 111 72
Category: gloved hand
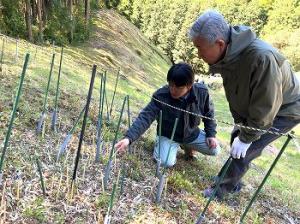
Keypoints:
pixel 239 148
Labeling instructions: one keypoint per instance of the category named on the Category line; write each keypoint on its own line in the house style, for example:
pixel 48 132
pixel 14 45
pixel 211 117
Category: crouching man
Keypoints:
pixel 181 92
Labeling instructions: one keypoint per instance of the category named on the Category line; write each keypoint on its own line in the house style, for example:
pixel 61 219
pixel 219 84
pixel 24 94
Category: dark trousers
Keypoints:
pixel 239 167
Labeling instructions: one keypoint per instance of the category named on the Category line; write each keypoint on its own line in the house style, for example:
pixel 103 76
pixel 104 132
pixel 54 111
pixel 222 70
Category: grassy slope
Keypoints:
pixel 116 43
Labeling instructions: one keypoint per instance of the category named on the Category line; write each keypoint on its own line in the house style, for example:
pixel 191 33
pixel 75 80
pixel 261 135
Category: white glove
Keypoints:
pixel 239 148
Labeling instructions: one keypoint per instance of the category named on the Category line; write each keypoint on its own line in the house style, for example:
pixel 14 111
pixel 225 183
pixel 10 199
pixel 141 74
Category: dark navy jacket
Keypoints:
pixel 197 101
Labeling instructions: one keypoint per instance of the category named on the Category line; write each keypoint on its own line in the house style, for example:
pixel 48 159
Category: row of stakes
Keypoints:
pixel 18 44
pixel 162 175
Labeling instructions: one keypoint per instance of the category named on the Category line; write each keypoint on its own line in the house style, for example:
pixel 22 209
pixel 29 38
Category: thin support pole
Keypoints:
pixel 109 164
pixel 17 50
pixel 39 167
pixel 159 144
pixel 48 83
pixel 129 121
pixel 54 115
pixel 202 216
pixel 169 151
pixel 13 114
pixel 160 187
pixel 99 123
pixel 122 178
pixel 43 115
pixel 2 52
pixel 163 176
pixel 265 178
pixel 88 100
pixel 113 97
pixel 105 97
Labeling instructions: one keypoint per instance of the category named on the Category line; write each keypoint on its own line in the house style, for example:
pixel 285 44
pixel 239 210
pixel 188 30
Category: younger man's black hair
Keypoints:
pixel 181 74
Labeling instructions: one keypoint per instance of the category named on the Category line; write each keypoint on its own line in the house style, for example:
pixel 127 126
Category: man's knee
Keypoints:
pixel 214 151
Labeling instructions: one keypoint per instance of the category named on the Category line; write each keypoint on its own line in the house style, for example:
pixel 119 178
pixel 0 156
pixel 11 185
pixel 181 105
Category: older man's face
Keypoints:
pixel 210 53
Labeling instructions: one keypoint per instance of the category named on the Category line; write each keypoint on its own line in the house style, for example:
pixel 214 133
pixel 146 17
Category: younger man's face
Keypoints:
pixel 178 91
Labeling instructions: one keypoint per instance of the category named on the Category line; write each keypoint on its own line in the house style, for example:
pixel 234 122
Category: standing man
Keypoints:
pixel 261 88
pixel 181 92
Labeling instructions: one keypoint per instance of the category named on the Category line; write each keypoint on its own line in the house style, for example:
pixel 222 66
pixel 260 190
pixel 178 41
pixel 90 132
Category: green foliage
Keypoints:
pixel 36 210
pixel 125 7
pixel 285 15
pixel 103 200
pixel 111 3
pixel 166 24
pixel 289 44
pixel 57 27
pixel 248 13
pixel 283 29
pixel 179 181
pixel 135 170
pixel 12 21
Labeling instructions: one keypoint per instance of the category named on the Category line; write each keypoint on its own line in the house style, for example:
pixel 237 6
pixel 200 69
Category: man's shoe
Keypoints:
pixel 237 188
pixel 190 154
pixel 207 193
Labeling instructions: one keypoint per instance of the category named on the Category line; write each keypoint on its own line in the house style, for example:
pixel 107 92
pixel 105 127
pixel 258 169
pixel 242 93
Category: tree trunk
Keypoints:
pixel 44 11
pixel 39 12
pixel 34 11
pixel 106 2
pixel 70 4
pixel 87 11
pixel 28 19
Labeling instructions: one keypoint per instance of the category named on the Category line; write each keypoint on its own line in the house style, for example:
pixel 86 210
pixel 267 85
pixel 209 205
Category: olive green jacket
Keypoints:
pixel 259 83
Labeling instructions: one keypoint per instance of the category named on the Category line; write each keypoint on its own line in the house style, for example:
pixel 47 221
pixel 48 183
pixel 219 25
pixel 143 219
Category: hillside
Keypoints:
pixel 115 43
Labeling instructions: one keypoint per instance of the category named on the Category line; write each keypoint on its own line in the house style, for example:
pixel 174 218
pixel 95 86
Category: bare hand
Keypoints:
pixel 212 142
pixel 122 145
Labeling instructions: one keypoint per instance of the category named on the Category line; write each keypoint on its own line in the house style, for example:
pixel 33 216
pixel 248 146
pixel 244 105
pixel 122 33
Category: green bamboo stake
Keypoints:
pixel 35 53
pixel 43 115
pixel 129 122
pixel 54 115
pixel 162 178
pixel 202 216
pixel 17 50
pixel 123 173
pixel 109 164
pixel 13 114
pixel 39 167
pixel 172 136
pixel 100 118
pixel 2 51
pixel 160 187
pixel 265 178
pixel 111 201
pixel 105 97
pixel 159 145
pixel 113 97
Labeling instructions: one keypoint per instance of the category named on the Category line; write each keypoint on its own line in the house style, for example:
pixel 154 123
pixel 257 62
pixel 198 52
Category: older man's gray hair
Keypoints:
pixel 211 26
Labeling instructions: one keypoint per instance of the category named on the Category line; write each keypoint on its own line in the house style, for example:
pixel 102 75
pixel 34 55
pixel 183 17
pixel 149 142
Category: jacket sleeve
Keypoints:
pixel 266 97
pixel 236 117
pixel 143 121
pixel 209 125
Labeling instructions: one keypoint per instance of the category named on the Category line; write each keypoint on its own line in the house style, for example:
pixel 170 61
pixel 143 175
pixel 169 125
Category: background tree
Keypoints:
pixel 166 23
pixel 28 19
